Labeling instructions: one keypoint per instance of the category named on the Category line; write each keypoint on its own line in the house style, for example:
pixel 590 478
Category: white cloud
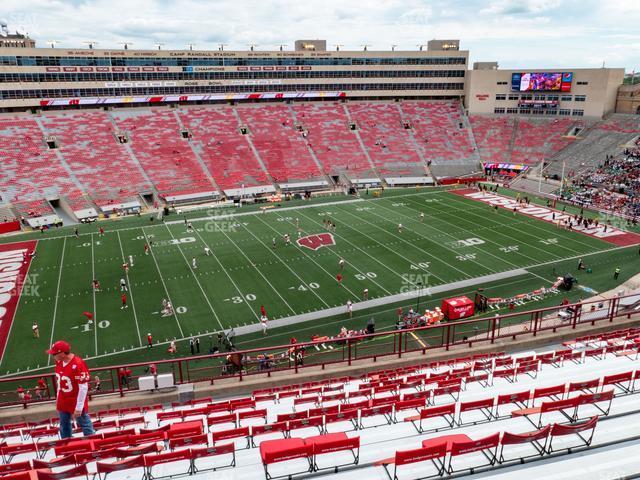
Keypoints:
pixel 516 33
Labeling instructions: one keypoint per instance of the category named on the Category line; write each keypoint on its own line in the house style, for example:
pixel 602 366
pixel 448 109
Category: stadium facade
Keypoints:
pixel 34 78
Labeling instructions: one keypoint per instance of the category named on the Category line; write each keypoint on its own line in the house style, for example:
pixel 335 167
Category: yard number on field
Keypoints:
pixel 249 297
pixel 364 276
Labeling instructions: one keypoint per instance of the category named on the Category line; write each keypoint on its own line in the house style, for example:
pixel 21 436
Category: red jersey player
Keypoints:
pixel 72 380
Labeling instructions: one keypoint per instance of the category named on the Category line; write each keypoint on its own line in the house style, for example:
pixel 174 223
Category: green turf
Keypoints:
pixel 227 289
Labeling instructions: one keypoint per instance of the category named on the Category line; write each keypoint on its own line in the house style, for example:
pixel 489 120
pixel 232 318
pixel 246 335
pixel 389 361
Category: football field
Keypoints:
pixel 444 238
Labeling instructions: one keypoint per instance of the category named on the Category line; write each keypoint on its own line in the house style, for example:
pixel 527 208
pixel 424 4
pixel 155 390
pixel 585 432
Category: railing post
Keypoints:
pixel 120 384
pixel 180 370
pixel 448 336
pixel 614 306
pixel 535 323
pixel 493 327
pixel 400 344
pixel 348 352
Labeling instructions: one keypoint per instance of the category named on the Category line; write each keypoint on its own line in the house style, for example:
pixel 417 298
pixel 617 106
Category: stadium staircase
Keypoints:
pixel 415 147
pixel 217 139
pixel 280 147
pixel 203 165
pixel 356 132
pixel 166 157
pixel 329 137
pixel 298 124
pixel 253 148
pixel 569 411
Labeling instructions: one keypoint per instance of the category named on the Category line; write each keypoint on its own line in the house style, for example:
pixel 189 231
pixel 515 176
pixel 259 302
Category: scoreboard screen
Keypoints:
pixel 541 81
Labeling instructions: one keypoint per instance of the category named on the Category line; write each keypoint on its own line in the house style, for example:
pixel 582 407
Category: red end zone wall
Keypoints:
pixel 15 259
pixel 615 236
pixel 6 227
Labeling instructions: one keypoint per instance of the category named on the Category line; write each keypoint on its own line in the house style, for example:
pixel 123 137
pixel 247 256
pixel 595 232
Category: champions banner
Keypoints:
pixel 612 235
pixel 62 102
pixel 15 259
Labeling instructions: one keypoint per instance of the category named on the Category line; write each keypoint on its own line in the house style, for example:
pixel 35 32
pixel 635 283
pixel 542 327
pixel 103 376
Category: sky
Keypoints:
pixel 515 33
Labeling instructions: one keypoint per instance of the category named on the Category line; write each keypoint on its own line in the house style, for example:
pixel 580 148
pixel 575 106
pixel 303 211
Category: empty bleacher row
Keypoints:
pixel 488 411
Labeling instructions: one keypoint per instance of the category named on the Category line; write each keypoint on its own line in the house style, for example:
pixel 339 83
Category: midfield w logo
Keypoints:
pixel 314 242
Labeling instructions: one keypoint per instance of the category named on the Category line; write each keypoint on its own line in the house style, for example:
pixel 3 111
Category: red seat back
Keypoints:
pixel 461 448
pixel 160 458
pixel 79 471
pixel 201 439
pixel 406 457
pixel 223 449
pixel 559 405
pixel 520 397
pixel 477 404
pixel 517 438
pixel 440 410
pixel 558 430
pixel 229 434
pixel 133 462
pixel 14 467
pixel 549 391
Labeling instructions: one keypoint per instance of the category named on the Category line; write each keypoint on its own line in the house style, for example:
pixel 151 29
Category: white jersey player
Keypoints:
pixel 349 308
pixel 123 285
pixel 131 260
pixel 400 227
pixel 264 324
pixel 193 263
pixel 207 251
pixel 341 264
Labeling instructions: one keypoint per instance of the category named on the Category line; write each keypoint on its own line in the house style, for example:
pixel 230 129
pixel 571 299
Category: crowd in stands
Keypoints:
pixel 613 185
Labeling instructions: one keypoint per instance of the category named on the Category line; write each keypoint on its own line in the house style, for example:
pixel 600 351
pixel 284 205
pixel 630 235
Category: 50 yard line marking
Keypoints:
pixel 133 304
pixel 95 312
pixel 55 303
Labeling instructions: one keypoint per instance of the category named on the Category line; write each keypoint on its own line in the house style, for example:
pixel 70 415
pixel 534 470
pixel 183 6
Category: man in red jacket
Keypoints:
pixel 72 383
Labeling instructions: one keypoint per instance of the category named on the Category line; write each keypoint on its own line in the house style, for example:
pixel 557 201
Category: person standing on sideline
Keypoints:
pixel 192 346
pixel 365 294
pixel 264 324
pixel 72 379
pixel 36 330
pixel 616 273
pixel 349 308
pixel 197 344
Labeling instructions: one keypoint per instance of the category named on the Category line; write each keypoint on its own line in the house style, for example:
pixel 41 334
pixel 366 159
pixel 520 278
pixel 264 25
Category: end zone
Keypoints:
pixel 615 236
pixel 15 259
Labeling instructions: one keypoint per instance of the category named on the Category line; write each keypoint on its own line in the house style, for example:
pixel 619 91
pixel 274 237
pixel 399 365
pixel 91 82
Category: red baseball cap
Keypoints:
pixel 59 347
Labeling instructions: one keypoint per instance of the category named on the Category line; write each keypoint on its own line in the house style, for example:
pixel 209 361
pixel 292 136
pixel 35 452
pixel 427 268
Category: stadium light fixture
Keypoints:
pixel 159 45
pixel 281 47
pixel 125 44
pixel 421 46
pixel 53 43
pixel 252 46
pixel 221 46
pixel 364 47
pixel 91 43
pixel 393 47
pixel 191 45
pixel 338 45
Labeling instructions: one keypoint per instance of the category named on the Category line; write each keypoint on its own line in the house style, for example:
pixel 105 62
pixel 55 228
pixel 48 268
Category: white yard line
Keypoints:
pixel 301 249
pixel 270 250
pixel 133 304
pixel 487 240
pixel 227 274
pixel 404 278
pixel 532 224
pixel 55 303
pixel 95 310
pixel 153 255
pixel 362 272
pixel 259 272
pixel 206 298
pixel 372 212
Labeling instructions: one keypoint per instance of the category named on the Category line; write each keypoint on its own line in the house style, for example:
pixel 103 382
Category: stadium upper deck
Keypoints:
pixel 44 77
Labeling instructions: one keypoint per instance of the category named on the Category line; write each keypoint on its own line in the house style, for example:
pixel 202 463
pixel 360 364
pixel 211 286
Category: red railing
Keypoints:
pixel 345 350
